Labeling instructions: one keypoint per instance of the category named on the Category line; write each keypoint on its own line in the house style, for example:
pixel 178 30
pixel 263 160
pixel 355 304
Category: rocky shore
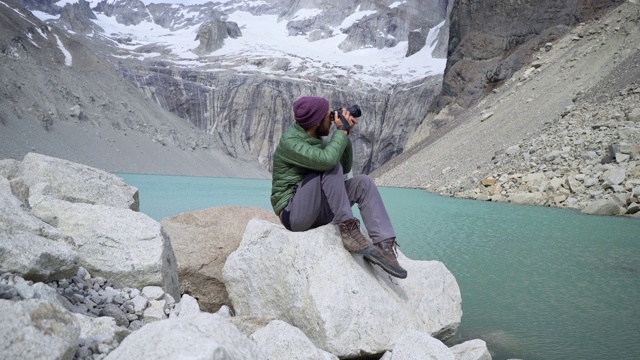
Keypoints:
pixel 563 131
pixel 84 275
pixel 586 159
pixel 104 315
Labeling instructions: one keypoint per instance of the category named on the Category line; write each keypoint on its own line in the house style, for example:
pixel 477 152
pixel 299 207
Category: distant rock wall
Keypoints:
pixel 491 40
pixel 563 131
pixel 251 111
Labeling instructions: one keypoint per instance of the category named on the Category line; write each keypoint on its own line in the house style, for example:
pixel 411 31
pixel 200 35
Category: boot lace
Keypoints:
pixel 391 245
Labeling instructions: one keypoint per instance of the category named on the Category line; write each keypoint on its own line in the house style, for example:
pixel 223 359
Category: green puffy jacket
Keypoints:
pixel 297 154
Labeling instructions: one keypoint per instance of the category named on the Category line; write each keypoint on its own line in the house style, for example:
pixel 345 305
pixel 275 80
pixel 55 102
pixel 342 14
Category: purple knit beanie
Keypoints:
pixel 310 110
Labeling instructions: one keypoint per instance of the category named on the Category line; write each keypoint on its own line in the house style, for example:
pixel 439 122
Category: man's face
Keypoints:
pixel 325 125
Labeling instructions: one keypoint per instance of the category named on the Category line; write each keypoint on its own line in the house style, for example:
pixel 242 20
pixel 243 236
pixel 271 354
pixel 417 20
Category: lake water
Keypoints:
pixel 536 283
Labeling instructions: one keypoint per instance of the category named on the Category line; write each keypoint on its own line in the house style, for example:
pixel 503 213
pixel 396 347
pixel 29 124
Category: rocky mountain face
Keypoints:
pixel 385 24
pixel 247 110
pixel 57 97
pixel 490 40
pixel 562 131
pixel 250 111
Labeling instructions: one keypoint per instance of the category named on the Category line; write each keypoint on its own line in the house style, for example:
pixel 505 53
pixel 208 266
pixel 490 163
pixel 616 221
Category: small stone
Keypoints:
pixel 114 311
pixel 224 311
pixel 155 311
pixel 488 182
pixel 620 158
pixel 24 290
pixel 596 193
pixel 603 207
pixel 83 352
pixel 139 304
pixel 513 150
pixel 486 116
pixel 90 303
pixel 135 325
pixel 7 292
pixel 634 115
pixel 133 293
pixel 80 309
pixel 77 298
pixel 128 307
pixel 153 292
pixel 588 182
pixel 615 177
pixel 103 348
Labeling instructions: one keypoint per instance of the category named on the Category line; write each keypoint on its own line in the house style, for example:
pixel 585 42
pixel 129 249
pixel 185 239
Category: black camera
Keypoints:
pixel 354 110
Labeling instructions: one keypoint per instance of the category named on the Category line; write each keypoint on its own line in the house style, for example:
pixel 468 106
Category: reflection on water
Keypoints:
pixel 536 283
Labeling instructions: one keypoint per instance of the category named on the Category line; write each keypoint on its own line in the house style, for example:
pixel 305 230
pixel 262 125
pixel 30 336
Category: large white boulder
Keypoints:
pixel 37 329
pixel 281 341
pixel 475 349
pixel 607 207
pixel 32 248
pixel 345 305
pixel 418 345
pixel 122 245
pixel 200 336
pixel 78 183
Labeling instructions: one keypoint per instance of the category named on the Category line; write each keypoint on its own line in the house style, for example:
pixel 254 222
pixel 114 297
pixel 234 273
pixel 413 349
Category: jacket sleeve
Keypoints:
pixel 303 154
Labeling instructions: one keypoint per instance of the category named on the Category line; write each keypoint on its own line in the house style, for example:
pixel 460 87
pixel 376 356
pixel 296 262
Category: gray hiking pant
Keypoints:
pixel 325 197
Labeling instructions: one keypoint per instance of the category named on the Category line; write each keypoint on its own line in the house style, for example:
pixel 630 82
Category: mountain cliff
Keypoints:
pixel 61 98
pixel 490 40
pixel 229 72
pixel 233 69
pixel 564 130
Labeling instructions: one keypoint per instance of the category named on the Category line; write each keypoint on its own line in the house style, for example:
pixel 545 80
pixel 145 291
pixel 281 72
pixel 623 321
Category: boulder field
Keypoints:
pixel 85 275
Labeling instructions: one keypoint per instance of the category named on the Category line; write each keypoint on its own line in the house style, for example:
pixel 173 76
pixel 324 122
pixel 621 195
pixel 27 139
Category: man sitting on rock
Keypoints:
pixel 309 189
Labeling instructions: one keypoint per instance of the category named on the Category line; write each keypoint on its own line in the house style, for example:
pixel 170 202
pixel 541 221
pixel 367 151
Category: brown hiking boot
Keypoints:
pixel 352 238
pixel 386 257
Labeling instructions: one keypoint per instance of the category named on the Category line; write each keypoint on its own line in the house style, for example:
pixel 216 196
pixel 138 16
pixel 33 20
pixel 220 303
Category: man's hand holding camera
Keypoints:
pixel 345 118
pixel 348 123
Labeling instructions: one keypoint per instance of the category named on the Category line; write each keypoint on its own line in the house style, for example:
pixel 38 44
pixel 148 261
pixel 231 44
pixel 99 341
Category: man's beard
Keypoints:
pixel 323 130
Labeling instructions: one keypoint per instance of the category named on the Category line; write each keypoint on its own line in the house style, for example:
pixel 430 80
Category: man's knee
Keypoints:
pixel 335 173
pixel 363 181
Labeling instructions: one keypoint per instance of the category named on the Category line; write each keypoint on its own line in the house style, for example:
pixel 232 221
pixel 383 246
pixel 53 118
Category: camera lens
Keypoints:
pixel 354 110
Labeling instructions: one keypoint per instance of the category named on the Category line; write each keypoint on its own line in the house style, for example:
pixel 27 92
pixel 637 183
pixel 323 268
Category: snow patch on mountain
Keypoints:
pixel 265 39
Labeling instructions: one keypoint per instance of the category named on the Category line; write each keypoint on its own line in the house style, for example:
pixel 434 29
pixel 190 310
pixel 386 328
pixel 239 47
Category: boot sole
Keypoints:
pixel 399 273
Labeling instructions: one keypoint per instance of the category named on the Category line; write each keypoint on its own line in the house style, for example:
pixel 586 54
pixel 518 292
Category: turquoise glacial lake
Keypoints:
pixel 537 283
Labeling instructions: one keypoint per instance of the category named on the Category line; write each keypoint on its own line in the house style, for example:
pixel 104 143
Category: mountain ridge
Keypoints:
pixel 58 99
pixel 561 118
pixel 217 93
pixel 243 104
